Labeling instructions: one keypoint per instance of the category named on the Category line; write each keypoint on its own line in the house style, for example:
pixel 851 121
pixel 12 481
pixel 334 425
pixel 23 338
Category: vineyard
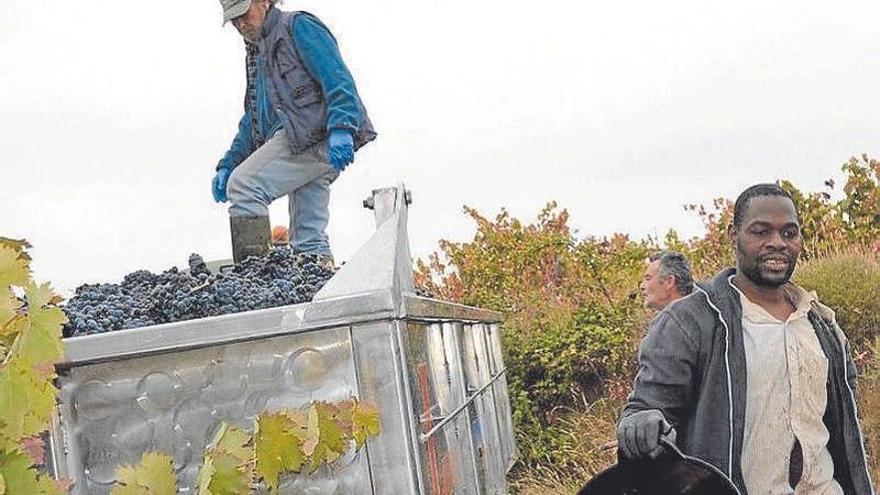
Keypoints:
pixel 574 315
pixel 572 320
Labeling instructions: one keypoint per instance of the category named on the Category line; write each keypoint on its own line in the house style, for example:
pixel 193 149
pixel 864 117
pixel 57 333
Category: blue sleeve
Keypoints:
pixel 322 60
pixel 242 146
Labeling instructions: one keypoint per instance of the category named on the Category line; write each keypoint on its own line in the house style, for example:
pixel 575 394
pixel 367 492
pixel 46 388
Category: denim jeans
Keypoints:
pixel 273 171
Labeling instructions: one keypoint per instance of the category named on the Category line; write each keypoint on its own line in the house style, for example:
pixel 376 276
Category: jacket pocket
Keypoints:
pixel 306 94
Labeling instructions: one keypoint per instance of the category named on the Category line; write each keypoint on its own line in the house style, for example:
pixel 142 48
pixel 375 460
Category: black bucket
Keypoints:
pixel 673 473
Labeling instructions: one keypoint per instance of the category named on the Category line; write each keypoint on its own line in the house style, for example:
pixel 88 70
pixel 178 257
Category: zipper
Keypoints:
pixel 729 385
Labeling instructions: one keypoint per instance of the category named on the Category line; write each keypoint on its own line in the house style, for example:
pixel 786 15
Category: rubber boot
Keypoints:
pixel 250 236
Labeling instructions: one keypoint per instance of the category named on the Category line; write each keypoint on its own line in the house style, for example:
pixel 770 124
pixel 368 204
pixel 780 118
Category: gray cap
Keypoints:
pixel 234 8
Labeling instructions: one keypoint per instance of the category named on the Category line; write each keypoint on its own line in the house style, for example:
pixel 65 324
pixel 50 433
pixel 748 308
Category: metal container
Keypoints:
pixel 434 370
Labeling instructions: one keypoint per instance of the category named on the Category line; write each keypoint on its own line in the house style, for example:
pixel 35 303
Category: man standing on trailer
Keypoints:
pixel 303 121
pixel 750 372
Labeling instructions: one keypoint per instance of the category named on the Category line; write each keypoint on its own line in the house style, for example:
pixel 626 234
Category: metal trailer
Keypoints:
pixel 434 370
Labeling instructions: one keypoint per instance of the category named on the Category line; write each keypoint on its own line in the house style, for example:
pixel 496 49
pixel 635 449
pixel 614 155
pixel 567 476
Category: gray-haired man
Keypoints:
pixel 667 278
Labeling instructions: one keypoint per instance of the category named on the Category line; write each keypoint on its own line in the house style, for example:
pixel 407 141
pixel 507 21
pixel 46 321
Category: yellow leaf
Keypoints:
pixel 153 476
pixel 331 442
pixel 230 476
pixel 13 269
pixel 17 473
pixel 365 423
pixel 2 485
pixel 26 401
pixel 9 313
pixel 206 474
pixel 278 445
pixel 49 486
pixel 233 441
pixel 229 464
pixel 40 342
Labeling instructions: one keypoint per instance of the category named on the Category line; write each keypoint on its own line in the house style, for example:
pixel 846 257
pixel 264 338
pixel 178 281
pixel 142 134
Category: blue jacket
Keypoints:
pixel 296 81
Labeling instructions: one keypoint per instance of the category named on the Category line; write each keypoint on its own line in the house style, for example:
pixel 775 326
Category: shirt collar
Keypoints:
pixel 800 299
pixel 272 16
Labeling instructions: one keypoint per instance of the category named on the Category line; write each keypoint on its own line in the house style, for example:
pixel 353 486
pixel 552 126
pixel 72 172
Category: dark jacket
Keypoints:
pixel 692 367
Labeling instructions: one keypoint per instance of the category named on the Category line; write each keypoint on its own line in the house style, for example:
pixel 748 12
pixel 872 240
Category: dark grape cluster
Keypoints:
pixel 143 298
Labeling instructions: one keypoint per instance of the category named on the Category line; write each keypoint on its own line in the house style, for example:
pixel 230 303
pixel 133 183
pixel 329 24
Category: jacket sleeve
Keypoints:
pixel 320 55
pixel 242 146
pixel 667 371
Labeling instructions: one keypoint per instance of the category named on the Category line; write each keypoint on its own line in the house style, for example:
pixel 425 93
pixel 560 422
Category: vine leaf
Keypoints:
pixel 35 448
pixel 18 478
pixel 229 463
pixel 234 441
pixel 40 342
pixel 13 268
pixel 230 477
pixel 15 467
pixel 278 442
pixel 153 476
pixel 206 476
pixel 26 403
pixel 325 427
pixel 365 423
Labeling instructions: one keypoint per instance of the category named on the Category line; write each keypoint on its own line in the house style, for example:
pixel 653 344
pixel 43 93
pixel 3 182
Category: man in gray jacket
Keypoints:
pixel 750 372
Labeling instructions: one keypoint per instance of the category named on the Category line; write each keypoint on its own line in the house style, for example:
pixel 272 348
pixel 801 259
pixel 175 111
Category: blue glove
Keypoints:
pixel 340 148
pixel 218 185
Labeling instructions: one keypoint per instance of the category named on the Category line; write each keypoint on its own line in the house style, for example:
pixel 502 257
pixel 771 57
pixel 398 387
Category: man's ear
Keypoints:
pixel 731 234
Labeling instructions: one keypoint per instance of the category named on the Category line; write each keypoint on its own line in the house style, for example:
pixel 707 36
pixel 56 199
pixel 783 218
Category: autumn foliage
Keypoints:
pixel 30 345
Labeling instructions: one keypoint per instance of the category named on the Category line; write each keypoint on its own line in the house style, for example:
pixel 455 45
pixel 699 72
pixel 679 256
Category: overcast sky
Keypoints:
pixel 114 114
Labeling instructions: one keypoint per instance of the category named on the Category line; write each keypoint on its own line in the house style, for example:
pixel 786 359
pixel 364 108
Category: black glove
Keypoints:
pixel 638 435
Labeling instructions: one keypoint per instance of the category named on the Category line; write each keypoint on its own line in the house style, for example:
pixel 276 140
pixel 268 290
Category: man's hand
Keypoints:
pixel 638 435
pixel 218 185
pixel 340 148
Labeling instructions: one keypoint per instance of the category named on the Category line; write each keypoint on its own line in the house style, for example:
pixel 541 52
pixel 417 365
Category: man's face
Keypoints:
pixel 251 23
pixel 657 290
pixel 768 242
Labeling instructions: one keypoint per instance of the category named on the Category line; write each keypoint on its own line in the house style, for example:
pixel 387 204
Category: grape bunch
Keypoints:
pixel 279 278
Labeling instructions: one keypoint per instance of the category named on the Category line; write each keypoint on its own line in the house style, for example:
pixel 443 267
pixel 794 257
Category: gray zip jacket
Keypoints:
pixel 692 367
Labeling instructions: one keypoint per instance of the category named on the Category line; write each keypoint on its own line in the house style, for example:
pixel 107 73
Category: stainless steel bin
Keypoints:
pixel 434 370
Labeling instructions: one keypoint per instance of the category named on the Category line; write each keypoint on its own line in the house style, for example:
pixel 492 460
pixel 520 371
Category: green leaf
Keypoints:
pixel 153 476
pixel 365 423
pixel 206 474
pixel 27 400
pixel 325 425
pixel 40 342
pixel 278 441
pixel 229 463
pixel 20 479
pixel 230 476
pixel 234 441
pixel 14 269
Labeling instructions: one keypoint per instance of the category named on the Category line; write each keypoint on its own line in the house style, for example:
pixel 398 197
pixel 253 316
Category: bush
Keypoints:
pixel 559 368
pixel 849 283
pixel 869 408
pixel 586 438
